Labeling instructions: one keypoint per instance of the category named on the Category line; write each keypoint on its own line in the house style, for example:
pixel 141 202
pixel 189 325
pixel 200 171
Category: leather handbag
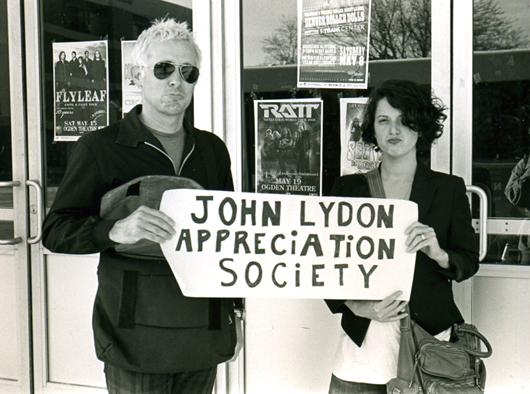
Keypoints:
pixel 429 366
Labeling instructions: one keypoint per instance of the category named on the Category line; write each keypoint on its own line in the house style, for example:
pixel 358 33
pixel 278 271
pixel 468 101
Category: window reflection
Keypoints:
pixel 7 230
pixel 400 48
pixel 5 118
pixel 501 118
pixel 91 20
pixel 6 174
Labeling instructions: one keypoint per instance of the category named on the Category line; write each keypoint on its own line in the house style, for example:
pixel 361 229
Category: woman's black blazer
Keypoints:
pixel 444 206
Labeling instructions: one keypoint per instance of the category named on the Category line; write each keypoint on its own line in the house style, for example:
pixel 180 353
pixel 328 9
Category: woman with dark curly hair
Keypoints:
pixel 401 119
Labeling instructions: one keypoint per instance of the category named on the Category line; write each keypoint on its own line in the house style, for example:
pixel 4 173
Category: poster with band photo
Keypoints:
pixel 80 80
pixel 356 155
pixel 333 43
pixel 288 146
pixel 131 94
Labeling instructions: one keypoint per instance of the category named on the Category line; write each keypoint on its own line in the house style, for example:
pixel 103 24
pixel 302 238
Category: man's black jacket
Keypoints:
pixel 141 320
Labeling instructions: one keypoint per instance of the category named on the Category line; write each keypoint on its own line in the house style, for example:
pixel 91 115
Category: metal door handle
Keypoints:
pixel 483 219
pixel 39 212
pixel 17 240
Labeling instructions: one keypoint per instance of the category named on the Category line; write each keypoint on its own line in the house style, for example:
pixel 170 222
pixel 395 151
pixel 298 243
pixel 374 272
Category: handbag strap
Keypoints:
pixel 459 330
pixel 377 190
pixel 405 324
pixel 375 183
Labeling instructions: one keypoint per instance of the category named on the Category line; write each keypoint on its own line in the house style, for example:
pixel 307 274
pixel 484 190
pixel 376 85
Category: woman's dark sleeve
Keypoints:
pixel 461 243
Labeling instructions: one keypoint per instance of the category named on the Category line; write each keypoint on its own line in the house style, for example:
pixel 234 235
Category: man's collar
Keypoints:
pixel 133 131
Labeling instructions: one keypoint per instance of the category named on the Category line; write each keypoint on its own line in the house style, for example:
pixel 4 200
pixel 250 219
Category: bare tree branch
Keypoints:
pixel 402 29
pixel 281 46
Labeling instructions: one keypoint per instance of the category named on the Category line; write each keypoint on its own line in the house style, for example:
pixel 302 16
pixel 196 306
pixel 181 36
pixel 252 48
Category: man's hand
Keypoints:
pixel 386 310
pixel 144 223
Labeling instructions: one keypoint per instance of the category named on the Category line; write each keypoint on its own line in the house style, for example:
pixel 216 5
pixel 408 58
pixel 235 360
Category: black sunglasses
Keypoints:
pixel 163 70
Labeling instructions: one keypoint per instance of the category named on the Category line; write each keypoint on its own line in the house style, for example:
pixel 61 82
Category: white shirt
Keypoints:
pixel 375 362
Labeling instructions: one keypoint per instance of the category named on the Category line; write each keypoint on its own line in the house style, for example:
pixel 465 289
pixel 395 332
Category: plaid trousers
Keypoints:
pixel 120 381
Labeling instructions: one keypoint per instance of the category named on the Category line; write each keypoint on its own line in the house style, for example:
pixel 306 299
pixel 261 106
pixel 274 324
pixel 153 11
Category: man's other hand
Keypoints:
pixel 144 223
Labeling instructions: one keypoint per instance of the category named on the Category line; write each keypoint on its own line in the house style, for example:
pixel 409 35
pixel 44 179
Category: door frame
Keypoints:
pixel 441 85
pixel 35 144
pixel 462 120
pixel 218 108
pixel 20 198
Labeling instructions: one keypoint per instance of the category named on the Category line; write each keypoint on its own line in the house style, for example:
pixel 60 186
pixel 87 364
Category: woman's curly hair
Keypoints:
pixel 421 111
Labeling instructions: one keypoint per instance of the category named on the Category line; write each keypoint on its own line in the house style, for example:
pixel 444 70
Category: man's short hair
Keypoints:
pixel 165 29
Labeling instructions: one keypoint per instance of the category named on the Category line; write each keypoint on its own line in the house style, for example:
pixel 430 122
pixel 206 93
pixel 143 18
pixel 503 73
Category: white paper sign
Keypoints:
pixel 232 244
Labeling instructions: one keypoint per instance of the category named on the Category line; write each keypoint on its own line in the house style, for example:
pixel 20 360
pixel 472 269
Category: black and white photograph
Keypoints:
pixel 256 197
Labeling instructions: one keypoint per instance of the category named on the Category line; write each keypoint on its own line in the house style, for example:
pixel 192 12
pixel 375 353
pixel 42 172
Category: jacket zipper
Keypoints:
pixel 186 159
pixel 170 159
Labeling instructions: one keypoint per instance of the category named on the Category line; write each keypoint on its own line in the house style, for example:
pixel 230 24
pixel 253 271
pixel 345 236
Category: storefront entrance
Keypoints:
pixel 46 343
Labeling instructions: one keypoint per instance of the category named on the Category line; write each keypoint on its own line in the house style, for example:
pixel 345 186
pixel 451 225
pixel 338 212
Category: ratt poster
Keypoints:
pixel 80 80
pixel 288 146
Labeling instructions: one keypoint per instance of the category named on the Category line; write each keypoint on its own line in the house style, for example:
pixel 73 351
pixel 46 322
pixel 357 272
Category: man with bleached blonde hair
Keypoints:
pixel 151 337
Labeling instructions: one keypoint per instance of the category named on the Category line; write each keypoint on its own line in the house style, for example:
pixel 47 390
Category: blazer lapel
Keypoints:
pixel 422 190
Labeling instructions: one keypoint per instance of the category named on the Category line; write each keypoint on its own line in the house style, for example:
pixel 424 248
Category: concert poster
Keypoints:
pixel 356 155
pixel 80 81
pixel 288 146
pixel 131 94
pixel 333 43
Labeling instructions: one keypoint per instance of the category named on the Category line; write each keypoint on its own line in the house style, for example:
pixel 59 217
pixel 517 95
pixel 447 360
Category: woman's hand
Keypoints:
pixel 422 237
pixel 387 310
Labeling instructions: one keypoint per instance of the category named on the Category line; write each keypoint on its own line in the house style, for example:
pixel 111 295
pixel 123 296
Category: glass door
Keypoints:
pixel 490 149
pixel 294 340
pixel 501 125
pixel 63 287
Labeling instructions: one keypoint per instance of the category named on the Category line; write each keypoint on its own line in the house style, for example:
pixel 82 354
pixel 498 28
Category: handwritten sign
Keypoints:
pixel 231 244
